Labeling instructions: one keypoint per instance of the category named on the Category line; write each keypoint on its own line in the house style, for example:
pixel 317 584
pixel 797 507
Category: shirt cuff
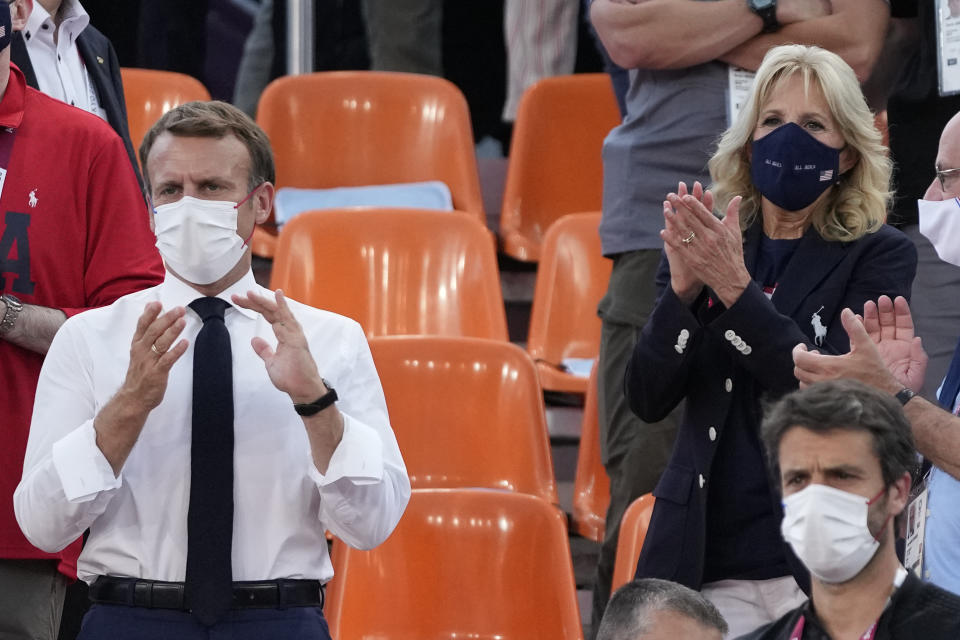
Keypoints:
pixel 358 457
pixel 82 468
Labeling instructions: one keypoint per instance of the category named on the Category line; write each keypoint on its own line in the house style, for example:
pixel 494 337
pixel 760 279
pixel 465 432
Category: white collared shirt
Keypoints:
pixel 60 70
pixel 283 505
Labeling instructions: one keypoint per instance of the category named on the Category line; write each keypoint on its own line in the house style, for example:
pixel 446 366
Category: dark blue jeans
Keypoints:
pixel 118 622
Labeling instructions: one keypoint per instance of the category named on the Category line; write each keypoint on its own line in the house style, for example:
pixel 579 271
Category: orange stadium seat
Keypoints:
pixel 571 278
pixel 462 563
pixel 591 485
pixel 359 128
pixel 633 530
pixel 395 271
pixel 482 422
pixel 149 94
pixel 555 166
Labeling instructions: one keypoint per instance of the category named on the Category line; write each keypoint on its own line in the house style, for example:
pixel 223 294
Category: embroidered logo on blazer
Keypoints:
pixel 819 330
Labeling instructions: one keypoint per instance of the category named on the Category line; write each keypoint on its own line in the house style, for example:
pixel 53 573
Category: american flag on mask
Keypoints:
pixel 826 175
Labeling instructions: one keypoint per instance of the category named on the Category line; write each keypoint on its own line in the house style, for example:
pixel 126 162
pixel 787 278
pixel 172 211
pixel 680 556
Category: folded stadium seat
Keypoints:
pixel 555 166
pixel 571 278
pixel 481 424
pixel 149 94
pixel 633 530
pixel 462 563
pixel 395 271
pixel 591 486
pixel 361 128
pixel 291 201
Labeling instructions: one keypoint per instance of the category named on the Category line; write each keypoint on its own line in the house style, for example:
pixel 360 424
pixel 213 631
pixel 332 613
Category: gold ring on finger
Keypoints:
pixel 153 348
pixel 689 238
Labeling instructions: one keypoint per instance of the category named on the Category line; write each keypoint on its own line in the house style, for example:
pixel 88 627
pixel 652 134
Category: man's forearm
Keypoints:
pixel 324 431
pixel 937 434
pixel 855 32
pixel 672 34
pixel 34 328
pixel 118 426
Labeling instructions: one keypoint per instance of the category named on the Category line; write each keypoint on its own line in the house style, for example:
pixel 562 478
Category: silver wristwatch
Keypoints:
pixel 14 307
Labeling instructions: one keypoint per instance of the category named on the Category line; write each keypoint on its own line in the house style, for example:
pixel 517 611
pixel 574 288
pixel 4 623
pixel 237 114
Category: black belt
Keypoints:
pixel 154 594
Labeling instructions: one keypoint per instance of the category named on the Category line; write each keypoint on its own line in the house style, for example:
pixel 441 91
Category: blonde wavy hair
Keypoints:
pixel 857 203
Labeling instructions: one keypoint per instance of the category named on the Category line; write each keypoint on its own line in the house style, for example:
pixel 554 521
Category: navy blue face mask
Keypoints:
pixel 791 168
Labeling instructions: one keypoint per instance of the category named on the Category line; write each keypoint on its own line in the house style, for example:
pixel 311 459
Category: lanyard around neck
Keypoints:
pixel 797 633
pixel 871 632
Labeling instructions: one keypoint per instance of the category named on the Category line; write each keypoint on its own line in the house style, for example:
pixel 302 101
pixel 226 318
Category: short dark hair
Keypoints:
pixel 844 405
pixel 629 611
pixel 214 119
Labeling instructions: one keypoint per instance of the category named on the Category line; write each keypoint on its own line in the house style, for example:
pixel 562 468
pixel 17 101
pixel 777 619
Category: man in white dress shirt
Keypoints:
pixel 116 418
pixel 67 58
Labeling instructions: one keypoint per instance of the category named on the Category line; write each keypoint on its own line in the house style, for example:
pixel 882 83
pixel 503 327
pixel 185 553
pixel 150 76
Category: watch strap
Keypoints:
pixel 767 13
pixel 308 409
pixel 904 395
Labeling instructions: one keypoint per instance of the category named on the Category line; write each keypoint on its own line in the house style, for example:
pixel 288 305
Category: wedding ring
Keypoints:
pixel 153 348
pixel 689 238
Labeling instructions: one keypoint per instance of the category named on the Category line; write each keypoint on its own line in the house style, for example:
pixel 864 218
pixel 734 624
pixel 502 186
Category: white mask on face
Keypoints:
pixel 827 529
pixel 198 238
pixel 940 223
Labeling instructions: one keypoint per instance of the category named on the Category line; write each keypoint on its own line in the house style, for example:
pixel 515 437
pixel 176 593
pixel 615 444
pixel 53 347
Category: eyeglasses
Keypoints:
pixel 943 175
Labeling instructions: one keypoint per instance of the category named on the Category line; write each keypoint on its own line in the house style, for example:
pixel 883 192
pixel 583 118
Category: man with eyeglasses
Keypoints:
pixel 886 353
pixel 917 114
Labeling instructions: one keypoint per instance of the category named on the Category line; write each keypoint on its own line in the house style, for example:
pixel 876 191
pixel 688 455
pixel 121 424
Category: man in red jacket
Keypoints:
pixel 74 234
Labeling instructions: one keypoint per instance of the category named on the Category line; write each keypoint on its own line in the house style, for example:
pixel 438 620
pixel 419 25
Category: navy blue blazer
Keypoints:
pixel 723 361
pixel 101 62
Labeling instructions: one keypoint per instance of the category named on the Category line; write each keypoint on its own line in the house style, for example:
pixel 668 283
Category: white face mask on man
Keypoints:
pixel 198 238
pixel 827 529
pixel 940 223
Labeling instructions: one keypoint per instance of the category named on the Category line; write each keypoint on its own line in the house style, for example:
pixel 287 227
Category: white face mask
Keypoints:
pixel 827 529
pixel 198 238
pixel 940 223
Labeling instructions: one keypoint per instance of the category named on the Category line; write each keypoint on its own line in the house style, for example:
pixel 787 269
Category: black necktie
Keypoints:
pixel 210 518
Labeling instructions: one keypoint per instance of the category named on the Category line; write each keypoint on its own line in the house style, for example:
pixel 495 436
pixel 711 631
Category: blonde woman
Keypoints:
pixel 803 181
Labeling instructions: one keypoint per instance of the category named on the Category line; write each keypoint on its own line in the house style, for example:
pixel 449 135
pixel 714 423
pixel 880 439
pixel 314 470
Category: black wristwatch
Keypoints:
pixel 312 408
pixel 767 10
pixel 904 395
pixel 13 309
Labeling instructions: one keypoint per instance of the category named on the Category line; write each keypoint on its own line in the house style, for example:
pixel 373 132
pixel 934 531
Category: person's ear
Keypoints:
pixel 263 202
pixel 899 494
pixel 20 10
pixel 848 159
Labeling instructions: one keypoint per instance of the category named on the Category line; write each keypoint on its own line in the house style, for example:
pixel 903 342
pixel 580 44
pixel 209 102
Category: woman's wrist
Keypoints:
pixel 731 290
pixel 687 294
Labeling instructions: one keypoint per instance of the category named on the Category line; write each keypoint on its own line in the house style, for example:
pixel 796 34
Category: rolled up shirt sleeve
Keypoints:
pixel 66 482
pixel 365 490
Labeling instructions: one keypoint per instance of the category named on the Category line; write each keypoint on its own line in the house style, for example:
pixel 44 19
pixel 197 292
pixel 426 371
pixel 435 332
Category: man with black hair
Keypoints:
pixel 843 453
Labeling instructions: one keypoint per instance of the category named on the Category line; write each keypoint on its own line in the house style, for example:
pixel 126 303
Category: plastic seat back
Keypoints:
pixel 591 485
pixel 467 412
pixel 356 128
pixel 571 278
pixel 555 164
pixel 633 531
pixel 149 94
pixel 462 563
pixel 395 271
